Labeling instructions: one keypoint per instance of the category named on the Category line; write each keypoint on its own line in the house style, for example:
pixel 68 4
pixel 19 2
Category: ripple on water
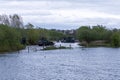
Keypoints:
pixel 76 64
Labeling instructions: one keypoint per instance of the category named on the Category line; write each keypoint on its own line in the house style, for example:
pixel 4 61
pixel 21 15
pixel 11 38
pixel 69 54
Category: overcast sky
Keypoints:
pixel 64 14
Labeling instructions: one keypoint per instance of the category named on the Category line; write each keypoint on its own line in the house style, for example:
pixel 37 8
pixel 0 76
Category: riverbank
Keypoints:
pixel 54 48
pixel 11 49
pixel 98 43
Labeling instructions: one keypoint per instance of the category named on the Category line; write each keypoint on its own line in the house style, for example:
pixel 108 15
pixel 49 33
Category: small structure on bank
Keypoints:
pixel 45 42
pixel 68 40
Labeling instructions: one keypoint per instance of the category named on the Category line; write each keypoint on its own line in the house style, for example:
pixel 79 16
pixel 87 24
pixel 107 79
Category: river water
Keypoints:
pixel 66 64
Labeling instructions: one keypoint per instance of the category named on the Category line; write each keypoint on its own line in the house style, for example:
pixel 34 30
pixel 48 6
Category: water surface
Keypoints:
pixel 67 64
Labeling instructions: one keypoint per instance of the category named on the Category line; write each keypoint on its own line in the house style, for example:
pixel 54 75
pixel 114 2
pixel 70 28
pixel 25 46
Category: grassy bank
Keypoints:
pixel 98 43
pixel 54 48
pixel 98 36
pixel 11 49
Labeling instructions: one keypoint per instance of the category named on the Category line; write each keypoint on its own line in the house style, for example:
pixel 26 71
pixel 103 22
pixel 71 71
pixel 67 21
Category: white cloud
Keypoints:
pixel 76 12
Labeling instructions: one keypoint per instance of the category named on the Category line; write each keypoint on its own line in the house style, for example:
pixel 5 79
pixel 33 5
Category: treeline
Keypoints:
pixel 33 35
pixel 9 39
pixel 15 36
pixel 12 38
pixel 91 36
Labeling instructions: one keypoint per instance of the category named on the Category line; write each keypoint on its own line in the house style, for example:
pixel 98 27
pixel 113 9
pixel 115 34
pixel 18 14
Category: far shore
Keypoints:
pixel 97 43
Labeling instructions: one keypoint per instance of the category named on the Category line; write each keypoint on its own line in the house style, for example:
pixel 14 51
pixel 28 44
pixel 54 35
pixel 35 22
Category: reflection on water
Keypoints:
pixel 67 64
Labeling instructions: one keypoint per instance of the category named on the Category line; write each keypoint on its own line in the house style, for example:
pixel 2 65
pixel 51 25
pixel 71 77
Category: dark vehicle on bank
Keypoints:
pixel 68 40
pixel 45 42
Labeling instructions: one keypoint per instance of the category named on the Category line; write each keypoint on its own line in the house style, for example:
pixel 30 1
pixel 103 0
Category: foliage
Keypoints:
pixel 115 39
pixel 54 35
pixel 88 34
pixel 34 35
pixel 9 39
pixel 84 33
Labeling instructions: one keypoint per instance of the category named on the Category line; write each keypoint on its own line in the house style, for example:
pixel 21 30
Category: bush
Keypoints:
pixel 95 33
pixel 9 39
pixel 115 39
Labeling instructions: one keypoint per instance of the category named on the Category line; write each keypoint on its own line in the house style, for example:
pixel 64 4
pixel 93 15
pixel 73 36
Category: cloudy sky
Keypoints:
pixel 64 14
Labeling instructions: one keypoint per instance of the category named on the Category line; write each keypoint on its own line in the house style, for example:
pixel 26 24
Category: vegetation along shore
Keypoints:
pixel 15 35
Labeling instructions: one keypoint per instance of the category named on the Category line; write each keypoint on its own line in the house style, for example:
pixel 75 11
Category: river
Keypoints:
pixel 66 64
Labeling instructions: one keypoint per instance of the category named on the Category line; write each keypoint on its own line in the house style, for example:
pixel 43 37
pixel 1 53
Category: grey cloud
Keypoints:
pixel 43 8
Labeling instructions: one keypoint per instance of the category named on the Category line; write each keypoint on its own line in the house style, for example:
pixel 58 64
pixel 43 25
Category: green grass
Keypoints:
pixel 95 44
pixel 11 49
pixel 54 48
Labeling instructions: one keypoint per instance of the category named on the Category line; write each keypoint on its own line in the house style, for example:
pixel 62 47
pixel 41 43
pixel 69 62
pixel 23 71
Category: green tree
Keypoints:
pixel 84 33
pixel 115 39
pixel 9 39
